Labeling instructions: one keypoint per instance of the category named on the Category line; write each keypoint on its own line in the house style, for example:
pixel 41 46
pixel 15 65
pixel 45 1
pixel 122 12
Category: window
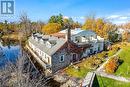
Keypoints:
pixel 74 57
pixel 98 47
pixel 91 50
pixel 45 55
pixel 62 58
pixel 48 60
pixel 84 36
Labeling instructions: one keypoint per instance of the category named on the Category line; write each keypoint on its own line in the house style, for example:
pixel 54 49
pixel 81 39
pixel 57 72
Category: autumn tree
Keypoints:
pixel 51 28
pixel 125 26
pixel 112 65
pixel 89 24
pixel 1 26
pixel 99 25
pixel 125 36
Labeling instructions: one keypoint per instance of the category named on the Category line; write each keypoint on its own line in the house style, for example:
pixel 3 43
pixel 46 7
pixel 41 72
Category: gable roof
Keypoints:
pixel 58 41
pixel 42 46
pixel 78 31
pixel 59 35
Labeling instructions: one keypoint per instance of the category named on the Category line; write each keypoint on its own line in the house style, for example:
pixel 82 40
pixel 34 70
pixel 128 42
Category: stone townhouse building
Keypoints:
pixel 58 50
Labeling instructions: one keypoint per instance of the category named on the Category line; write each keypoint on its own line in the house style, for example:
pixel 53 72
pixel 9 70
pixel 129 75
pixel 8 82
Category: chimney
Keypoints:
pixel 68 34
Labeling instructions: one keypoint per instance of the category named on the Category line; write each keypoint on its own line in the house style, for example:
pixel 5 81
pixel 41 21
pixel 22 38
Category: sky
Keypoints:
pixel 116 11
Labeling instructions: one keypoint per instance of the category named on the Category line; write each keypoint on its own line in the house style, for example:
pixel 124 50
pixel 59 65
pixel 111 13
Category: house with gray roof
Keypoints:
pixel 57 51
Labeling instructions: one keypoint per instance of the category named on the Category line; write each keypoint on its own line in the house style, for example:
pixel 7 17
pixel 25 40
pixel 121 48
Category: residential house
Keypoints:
pixel 59 50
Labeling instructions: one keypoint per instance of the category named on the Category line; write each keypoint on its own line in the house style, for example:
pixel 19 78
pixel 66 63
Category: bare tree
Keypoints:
pixel 21 74
pixel 37 26
pixel 25 24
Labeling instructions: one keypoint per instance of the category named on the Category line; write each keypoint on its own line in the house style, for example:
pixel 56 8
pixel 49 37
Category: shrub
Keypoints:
pixel 112 65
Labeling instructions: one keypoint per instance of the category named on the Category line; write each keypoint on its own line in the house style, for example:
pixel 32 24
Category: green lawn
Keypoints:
pixel 124 68
pixel 85 67
pixel 106 82
pixel 89 64
pixel 77 73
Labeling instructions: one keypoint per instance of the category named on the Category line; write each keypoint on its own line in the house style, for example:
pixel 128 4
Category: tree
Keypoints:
pixel 37 26
pixel 99 25
pixel 21 74
pixel 56 19
pixel 112 65
pixel 89 24
pixel 52 19
pixel 125 36
pixel 113 36
pixel 126 25
pixel 51 28
pixel 64 21
pixel 25 24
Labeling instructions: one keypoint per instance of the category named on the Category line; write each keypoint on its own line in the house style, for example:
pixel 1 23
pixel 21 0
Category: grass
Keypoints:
pixel 77 73
pixel 106 82
pixel 85 67
pixel 124 68
pixel 89 64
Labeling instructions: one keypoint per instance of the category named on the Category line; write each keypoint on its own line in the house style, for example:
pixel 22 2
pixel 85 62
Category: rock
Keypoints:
pixel 61 78
pixel 70 83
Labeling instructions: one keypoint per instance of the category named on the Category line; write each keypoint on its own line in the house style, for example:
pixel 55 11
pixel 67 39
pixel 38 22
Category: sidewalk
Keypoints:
pixel 119 78
pixel 100 71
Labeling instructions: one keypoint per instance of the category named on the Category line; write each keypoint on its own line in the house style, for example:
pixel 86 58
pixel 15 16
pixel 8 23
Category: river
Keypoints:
pixel 9 51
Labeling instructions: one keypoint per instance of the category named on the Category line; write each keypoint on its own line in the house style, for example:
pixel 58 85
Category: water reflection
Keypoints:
pixel 9 51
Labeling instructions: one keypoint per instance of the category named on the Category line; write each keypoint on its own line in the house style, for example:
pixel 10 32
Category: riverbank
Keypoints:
pixel 14 36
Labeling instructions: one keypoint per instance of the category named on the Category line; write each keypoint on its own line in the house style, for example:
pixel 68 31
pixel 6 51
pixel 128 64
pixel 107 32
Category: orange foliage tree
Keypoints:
pixel 111 66
pixel 99 25
pixel 51 28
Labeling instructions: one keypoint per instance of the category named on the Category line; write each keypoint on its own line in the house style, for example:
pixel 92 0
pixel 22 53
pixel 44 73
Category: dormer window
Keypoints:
pixel 50 43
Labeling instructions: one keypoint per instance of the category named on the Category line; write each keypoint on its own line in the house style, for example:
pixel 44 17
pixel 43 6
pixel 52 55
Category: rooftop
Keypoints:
pixel 77 31
pixel 56 42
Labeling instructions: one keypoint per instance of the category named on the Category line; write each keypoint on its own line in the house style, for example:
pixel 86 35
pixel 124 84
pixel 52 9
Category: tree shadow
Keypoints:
pixel 120 61
pixel 95 82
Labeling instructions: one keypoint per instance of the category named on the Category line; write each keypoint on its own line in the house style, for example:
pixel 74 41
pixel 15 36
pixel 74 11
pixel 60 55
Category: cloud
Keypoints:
pixel 119 19
pixel 124 17
pixel 113 16
pixel 78 17
pixel 65 17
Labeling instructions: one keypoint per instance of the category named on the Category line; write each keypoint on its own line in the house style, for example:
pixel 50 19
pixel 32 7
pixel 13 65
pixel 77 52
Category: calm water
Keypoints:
pixel 8 53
